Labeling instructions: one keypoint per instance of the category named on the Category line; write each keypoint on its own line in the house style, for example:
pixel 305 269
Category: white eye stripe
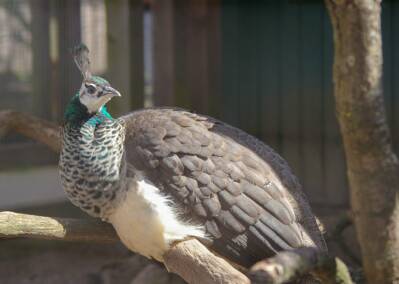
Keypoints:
pixel 87 85
pixel 91 88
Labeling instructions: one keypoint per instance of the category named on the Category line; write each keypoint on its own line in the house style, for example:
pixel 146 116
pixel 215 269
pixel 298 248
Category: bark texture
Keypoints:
pixel 287 265
pixel 197 265
pixel 373 168
pixel 14 225
pixel 30 126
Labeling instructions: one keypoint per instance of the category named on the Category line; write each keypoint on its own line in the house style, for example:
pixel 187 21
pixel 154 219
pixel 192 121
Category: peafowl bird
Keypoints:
pixel 161 175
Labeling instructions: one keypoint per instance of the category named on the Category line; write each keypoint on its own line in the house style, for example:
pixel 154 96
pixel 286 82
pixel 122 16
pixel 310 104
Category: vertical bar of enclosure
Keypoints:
pixel 164 60
pixel 214 43
pixel 196 64
pixel 269 69
pixel 41 58
pixel 69 34
pixel 312 98
pixel 136 54
pixel 118 53
pixel 290 93
pixel 395 74
pixel 230 62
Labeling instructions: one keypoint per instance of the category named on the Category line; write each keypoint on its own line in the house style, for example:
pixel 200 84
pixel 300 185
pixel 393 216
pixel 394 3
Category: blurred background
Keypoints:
pixel 262 65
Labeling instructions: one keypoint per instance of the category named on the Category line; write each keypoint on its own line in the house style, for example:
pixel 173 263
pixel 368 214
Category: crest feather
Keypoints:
pixel 81 57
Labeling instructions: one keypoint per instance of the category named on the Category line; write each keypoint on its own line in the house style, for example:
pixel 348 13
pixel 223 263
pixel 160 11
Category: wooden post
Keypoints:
pixel 118 53
pixel 196 60
pixel 200 62
pixel 69 34
pixel 187 53
pixel 230 67
pixel 136 54
pixel 214 45
pixel 41 58
pixel 164 59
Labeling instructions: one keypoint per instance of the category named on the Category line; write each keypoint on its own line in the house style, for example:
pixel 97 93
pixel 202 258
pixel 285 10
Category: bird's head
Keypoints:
pixel 95 91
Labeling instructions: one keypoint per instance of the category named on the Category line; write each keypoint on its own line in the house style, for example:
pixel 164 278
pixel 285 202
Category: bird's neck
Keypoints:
pixel 92 159
pixel 77 114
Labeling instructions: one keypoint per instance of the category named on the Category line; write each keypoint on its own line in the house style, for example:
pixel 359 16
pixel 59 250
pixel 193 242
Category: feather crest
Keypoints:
pixel 81 57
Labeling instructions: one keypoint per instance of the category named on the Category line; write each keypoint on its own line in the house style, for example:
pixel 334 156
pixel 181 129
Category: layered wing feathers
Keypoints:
pixel 226 186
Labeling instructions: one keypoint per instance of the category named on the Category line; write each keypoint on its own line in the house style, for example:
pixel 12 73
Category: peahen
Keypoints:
pixel 163 174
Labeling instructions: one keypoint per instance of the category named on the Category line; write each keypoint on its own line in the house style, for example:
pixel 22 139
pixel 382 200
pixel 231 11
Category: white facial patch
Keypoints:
pixel 91 101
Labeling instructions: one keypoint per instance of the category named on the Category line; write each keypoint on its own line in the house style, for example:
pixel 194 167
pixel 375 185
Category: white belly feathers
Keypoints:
pixel 147 223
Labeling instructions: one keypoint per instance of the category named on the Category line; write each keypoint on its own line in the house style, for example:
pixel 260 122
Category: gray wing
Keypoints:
pixel 219 181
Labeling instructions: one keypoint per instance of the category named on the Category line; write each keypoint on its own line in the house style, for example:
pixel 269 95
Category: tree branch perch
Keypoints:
pixel 30 126
pixel 15 225
pixel 189 259
pixel 196 264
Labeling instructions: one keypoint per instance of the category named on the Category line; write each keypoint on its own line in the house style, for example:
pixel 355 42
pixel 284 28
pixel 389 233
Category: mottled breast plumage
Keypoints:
pixel 92 165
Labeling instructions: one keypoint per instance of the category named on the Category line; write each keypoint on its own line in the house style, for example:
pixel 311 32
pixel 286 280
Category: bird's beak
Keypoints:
pixel 112 92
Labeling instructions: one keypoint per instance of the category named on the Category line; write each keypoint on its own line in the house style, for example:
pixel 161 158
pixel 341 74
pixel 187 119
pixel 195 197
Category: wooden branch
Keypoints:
pixel 288 265
pixel 13 225
pixel 196 264
pixel 32 127
pixel 189 259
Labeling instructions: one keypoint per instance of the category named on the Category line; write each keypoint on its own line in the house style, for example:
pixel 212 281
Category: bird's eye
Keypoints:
pixel 90 89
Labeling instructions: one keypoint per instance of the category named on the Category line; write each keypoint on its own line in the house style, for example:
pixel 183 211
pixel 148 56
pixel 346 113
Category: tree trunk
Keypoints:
pixel 373 169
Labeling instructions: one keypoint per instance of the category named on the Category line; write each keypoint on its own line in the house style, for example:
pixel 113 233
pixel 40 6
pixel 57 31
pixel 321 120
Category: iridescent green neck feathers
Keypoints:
pixel 77 114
